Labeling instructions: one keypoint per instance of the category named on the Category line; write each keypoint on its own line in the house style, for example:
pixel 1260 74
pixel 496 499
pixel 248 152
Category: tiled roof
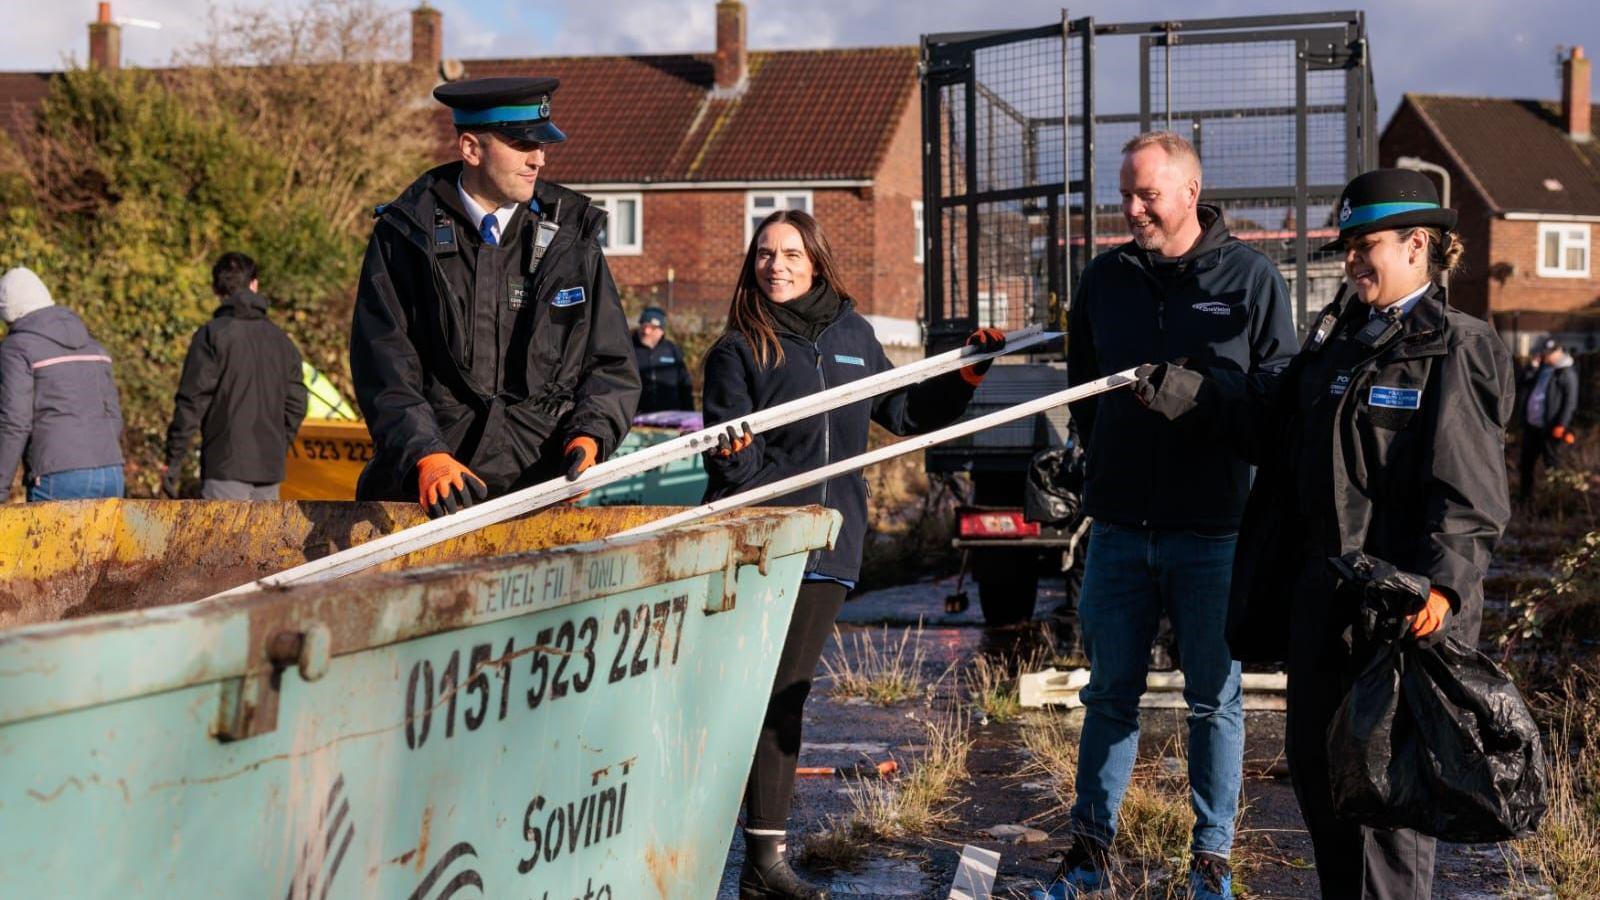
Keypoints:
pixel 20 94
pixel 804 115
pixel 1512 148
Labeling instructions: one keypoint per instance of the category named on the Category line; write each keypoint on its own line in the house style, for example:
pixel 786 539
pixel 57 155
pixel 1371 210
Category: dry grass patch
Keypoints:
pixel 914 805
pixel 880 671
pixel 992 689
pixel 1563 856
pixel 1155 821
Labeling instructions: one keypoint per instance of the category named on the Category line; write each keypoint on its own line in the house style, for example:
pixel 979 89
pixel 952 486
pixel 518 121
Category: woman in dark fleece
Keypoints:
pixel 793 331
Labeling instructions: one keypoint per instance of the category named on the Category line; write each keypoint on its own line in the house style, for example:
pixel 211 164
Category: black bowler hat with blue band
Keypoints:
pixel 518 108
pixel 1386 199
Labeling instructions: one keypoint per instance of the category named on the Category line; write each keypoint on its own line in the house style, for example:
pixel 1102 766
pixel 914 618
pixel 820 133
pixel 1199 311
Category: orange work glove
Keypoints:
pixel 445 485
pixel 582 452
pixel 733 442
pixel 1432 616
pixel 987 340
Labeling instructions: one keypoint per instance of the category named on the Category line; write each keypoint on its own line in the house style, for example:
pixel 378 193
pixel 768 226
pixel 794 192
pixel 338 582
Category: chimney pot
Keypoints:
pixel 1576 110
pixel 105 41
pixel 427 36
pixel 731 57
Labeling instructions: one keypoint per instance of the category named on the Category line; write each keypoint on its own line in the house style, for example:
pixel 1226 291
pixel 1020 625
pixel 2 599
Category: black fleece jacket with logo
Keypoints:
pixel 1222 305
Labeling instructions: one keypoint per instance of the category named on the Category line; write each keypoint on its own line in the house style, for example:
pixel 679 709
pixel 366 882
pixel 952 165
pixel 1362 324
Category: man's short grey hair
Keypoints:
pixel 1176 146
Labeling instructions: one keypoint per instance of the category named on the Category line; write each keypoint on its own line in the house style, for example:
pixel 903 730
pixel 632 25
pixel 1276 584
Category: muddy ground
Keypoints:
pixel 841 732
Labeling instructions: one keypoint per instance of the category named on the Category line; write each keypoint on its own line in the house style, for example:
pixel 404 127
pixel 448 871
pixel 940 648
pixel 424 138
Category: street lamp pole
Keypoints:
pixel 1422 165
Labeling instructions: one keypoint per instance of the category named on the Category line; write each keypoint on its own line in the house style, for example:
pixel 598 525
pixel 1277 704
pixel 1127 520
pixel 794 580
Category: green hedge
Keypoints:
pixel 129 187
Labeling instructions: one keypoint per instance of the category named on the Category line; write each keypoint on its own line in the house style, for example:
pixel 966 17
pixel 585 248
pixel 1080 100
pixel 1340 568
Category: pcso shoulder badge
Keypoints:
pixel 566 297
pixel 1394 397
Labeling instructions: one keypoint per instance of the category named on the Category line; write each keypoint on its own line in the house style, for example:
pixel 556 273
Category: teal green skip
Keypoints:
pixel 573 723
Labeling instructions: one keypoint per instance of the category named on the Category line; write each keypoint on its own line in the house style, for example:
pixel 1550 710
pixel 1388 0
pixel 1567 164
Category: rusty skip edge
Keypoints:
pixel 250 639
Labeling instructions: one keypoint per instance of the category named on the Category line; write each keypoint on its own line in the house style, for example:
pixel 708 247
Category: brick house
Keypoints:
pixel 685 151
pixel 1525 178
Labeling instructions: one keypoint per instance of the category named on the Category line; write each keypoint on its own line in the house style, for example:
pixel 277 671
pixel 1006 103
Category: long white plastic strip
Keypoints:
pixel 909 445
pixel 555 490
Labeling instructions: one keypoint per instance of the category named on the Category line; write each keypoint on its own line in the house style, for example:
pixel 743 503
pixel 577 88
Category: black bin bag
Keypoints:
pixel 1437 739
pixel 1053 493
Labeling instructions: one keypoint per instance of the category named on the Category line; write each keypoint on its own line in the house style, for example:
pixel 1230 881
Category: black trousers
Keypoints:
pixel 1537 446
pixel 771 786
pixel 1353 862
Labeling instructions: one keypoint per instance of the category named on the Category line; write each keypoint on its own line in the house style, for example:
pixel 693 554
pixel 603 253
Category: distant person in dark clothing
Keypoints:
pixel 59 415
pixel 667 385
pixel 241 387
pixel 1552 398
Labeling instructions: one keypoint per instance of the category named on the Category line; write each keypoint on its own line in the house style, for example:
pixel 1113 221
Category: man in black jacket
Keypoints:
pixel 489 349
pixel 241 388
pixel 665 377
pixel 1547 410
pixel 1166 503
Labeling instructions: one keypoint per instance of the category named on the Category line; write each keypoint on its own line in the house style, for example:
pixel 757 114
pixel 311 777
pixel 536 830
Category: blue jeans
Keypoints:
pixel 1133 575
pixel 78 484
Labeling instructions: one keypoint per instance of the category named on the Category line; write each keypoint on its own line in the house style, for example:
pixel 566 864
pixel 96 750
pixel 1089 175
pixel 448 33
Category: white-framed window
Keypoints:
pixel 624 231
pixel 1563 250
pixel 916 230
pixel 760 204
pixel 994 310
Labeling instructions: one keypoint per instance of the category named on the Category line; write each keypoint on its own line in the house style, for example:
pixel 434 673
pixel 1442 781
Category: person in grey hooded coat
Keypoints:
pixel 59 413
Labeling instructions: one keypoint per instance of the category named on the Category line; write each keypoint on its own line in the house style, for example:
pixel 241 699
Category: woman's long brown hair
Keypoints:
pixel 746 315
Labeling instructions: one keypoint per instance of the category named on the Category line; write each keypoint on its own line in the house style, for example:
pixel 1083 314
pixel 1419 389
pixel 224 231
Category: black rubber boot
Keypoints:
pixel 766 874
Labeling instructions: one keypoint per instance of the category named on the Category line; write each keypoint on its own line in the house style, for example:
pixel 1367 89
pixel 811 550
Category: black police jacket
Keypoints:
pixel 1396 449
pixel 663 375
pixel 1225 306
pixel 846 350
pixel 456 347
pixel 241 388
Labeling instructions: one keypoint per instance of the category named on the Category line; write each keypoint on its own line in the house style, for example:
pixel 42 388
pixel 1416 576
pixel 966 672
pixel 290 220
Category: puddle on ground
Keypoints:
pixel 869 749
pixel 882 878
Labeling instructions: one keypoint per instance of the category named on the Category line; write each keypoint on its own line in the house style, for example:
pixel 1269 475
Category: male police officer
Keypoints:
pixel 489 349
pixel 667 385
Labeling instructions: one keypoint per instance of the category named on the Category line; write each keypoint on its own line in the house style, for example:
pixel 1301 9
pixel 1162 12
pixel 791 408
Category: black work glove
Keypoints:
pixel 170 477
pixel 1167 388
pixel 731 442
pixel 1386 596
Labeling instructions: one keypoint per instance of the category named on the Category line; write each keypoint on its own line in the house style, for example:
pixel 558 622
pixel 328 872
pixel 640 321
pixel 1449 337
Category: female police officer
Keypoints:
pixel 1386 434
pixel 792 332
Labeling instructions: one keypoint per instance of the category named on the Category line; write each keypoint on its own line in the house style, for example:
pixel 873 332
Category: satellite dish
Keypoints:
pixel 452 69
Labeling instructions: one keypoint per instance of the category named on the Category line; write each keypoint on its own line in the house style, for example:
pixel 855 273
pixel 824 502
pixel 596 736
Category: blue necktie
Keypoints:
pixel 487 230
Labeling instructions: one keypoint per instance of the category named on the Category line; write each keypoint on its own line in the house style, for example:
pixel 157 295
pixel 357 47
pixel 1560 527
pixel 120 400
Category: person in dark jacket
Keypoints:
pixel 59 414
pixel 1165 504
pixel 1385 435
pixel 1547 411
pixel 793 331
pixel 665 377
pixel 489 349
pixel 242 389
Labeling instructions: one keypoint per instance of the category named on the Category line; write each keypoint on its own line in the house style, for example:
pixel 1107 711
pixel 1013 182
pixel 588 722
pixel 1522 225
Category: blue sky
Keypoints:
pixel 1475 47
